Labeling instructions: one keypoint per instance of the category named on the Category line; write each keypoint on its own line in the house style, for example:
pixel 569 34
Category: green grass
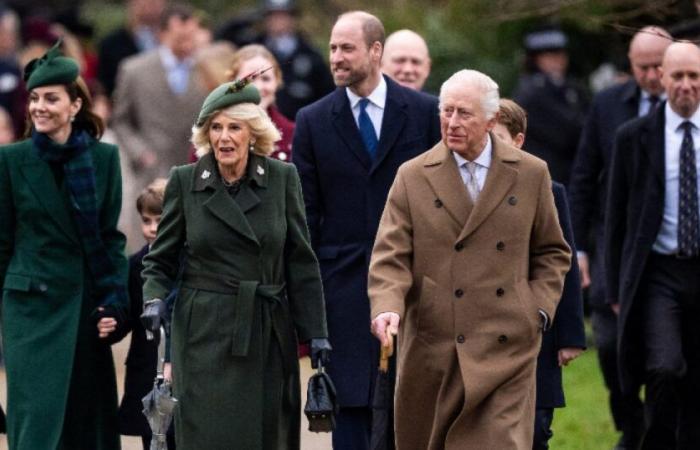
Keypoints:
pixel 585 423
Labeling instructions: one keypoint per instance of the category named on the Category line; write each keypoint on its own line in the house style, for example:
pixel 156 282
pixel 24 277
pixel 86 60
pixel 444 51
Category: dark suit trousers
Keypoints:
pixel 353 428
pixel 627 409
pixel 671 302
pixel 543 428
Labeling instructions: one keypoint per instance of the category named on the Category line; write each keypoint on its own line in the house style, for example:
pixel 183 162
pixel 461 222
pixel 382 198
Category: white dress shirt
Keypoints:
pixel 483 162
pixel 375 108
pixel 177 71
pixel 645 104
pixel 667 239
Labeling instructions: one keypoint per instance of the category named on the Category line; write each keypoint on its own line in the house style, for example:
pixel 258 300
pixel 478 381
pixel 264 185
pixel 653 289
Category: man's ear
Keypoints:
pixel 518 140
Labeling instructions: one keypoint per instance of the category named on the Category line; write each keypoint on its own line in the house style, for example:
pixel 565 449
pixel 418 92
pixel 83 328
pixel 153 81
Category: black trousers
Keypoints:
pixel 543 428
pixel 353 428
pixel 671 321
pixel 627 409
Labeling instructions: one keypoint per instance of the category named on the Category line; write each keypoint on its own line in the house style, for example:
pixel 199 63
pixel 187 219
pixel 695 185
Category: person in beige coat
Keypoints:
pixel 470 261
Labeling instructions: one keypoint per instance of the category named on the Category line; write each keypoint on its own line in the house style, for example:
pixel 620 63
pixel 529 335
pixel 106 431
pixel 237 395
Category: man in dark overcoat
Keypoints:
pixel 347 148
pixel 652 241
pixel 611 108
pixel 555 103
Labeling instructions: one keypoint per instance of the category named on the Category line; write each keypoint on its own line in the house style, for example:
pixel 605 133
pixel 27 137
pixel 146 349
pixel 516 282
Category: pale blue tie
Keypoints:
pixel 369 135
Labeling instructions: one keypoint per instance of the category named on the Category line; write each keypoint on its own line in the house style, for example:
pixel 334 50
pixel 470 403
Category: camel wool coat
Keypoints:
pixel 468 281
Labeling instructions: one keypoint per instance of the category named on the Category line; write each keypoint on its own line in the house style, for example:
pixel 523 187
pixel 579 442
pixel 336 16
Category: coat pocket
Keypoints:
pixel 528 304
pixel 16 282
pixel 429 324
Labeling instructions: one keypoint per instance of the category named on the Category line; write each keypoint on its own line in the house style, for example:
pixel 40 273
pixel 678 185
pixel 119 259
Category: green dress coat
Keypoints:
pixel 61 387
pixel 250 286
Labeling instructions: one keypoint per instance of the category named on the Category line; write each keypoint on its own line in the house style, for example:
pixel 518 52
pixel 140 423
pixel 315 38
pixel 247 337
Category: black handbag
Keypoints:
pixel 321 404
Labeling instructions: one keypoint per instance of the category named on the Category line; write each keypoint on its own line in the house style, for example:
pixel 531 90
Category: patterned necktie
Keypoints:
pixel 472 182
pixel 369 136
pixel 688 221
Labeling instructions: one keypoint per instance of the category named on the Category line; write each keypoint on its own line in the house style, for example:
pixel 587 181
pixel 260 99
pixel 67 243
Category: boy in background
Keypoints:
pixel 142 358
pixel 566 339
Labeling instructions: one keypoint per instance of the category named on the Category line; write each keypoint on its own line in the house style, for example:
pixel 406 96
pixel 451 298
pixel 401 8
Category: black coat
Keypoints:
pixel 567 329
pixel 141 359
pixel 633 217
pixel 588 187
pixel 114 48
pixel 345 192
pixel 555 116
pixel 305 74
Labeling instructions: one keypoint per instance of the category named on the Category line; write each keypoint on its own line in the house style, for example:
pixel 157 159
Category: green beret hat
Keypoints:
pixel 52 68
pixel 228 94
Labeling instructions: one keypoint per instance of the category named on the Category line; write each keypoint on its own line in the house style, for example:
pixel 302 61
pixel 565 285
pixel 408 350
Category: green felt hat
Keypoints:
pixel 52 68
pixel 228 94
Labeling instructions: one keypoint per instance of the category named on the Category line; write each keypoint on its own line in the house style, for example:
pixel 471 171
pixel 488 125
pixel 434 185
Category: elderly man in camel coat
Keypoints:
pixel 470 261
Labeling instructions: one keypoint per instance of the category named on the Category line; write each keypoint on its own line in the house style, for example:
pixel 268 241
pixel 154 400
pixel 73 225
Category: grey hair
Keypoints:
pixel 261 128
pixel 486 86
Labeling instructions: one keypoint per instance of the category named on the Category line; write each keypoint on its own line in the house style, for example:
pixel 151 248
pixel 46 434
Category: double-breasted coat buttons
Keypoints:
pixel 512 200
pixel 500 292
pixel 460 339
pixel 459 246
pixel 500 246
pixel 438 203
pixel 459 293
pixel 502 339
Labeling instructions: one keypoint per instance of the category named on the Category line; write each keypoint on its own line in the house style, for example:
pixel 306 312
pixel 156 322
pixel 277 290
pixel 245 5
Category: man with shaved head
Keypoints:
pixel 347 148
pixel 610 109
pixel 652 254
pixel 406 59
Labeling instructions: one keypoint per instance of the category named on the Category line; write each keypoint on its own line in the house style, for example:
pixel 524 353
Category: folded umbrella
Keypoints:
pixel 383 401
pixel 159 404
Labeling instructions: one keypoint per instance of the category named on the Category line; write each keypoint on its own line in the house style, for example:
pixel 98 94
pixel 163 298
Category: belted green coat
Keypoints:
pixel 61 387
pixel 250 287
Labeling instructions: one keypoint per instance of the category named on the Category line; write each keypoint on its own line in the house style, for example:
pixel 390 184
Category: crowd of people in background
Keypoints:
pixel 401 206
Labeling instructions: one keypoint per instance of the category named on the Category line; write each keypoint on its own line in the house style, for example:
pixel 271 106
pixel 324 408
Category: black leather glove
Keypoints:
pixel 320 351
pixel 155 314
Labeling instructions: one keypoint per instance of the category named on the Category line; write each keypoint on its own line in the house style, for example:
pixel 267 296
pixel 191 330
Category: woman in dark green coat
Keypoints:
pixel 62 268
pixel 250 286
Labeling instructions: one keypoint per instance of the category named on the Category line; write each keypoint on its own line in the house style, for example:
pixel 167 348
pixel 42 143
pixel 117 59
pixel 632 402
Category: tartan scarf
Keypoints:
pixel 79 176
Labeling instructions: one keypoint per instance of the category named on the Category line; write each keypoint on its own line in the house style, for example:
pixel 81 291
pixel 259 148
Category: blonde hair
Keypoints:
pixel 212 63
pixel 249 52
pixel 261 128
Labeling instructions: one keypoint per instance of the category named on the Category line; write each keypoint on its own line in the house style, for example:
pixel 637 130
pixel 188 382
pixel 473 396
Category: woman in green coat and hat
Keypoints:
pixel 250 287
pixel 62 268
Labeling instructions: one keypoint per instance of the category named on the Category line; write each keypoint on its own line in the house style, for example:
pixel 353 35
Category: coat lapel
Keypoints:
pixel 345 126
pixel 653 140
pixel 501 176
pixel 393 121
pixel 443 176
pixel 43 185
pixel 220 203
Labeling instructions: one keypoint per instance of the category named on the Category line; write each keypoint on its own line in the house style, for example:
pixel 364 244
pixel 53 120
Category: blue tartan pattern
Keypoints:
pixel 80 180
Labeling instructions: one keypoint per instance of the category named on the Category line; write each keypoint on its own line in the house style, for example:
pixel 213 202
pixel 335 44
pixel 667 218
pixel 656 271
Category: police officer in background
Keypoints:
pixel 305 73
pixel 555 104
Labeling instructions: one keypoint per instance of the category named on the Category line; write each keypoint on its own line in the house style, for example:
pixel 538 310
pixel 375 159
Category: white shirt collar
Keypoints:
pixel 673 120
pixel 646 95
pixel 170 61
pixel 377 97
pixel 483 160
